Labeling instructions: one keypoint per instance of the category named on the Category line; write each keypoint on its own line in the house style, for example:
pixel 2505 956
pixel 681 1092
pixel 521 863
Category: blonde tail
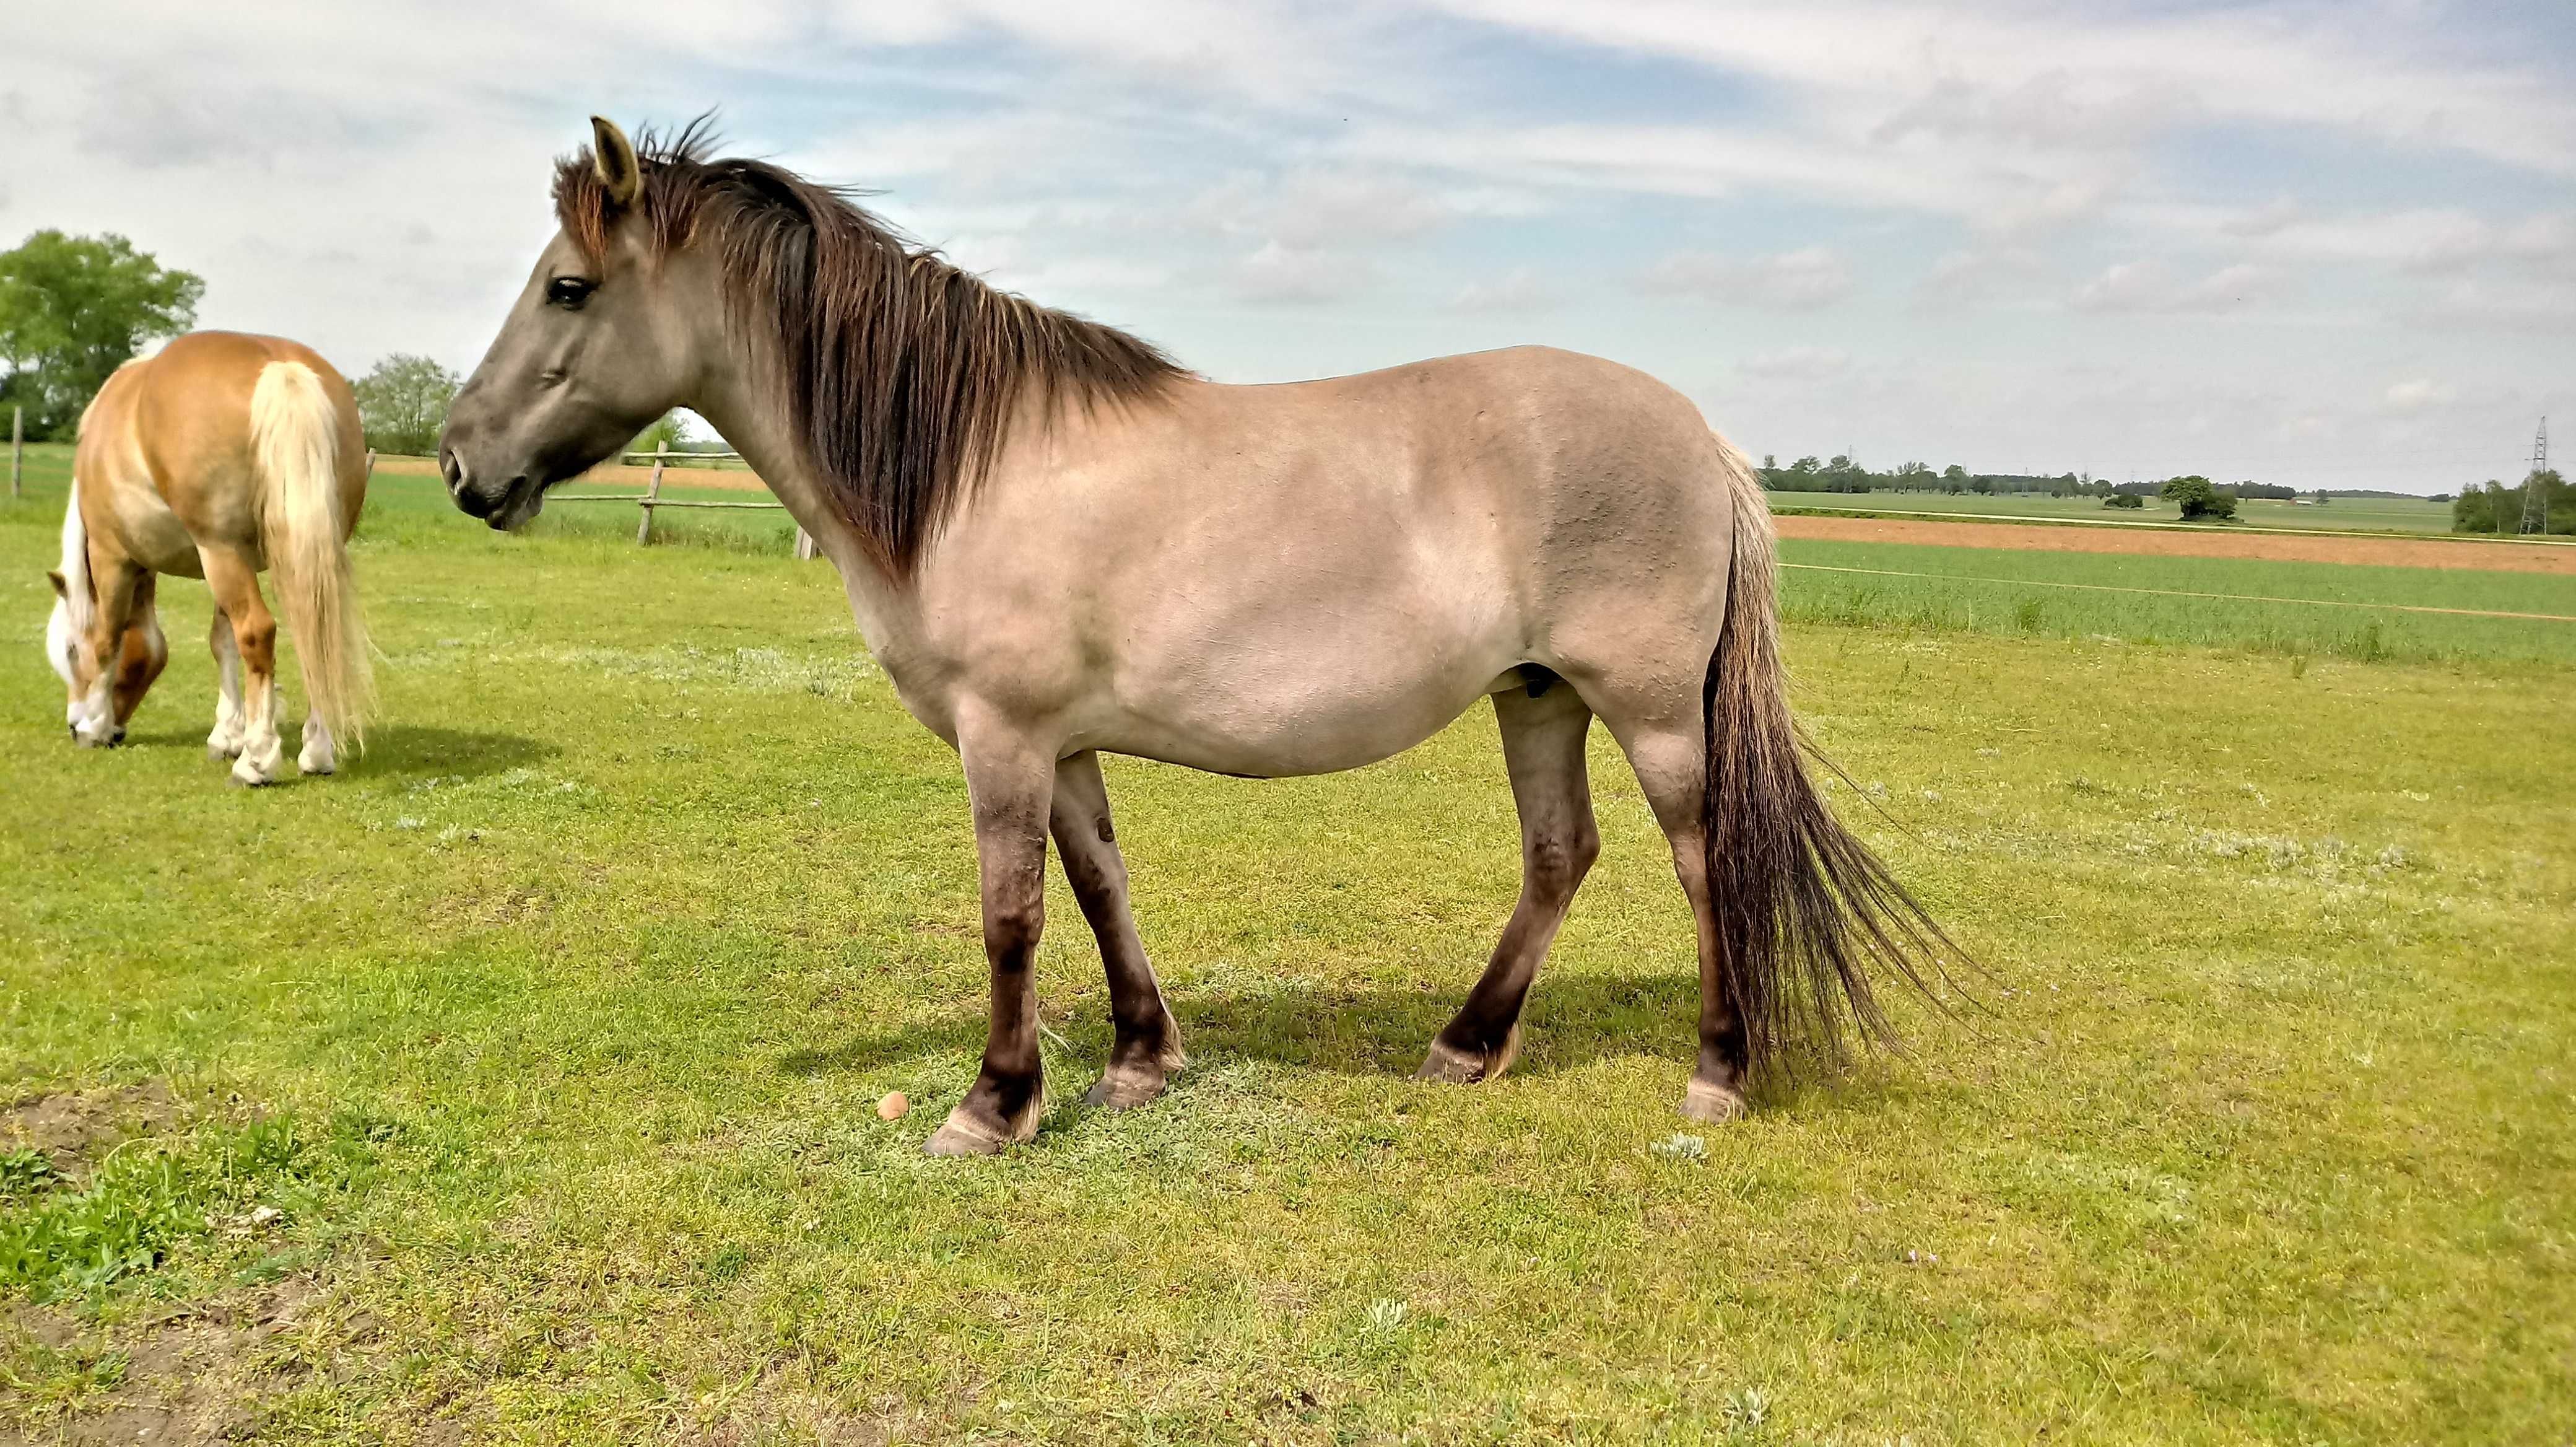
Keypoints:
pixel 295 439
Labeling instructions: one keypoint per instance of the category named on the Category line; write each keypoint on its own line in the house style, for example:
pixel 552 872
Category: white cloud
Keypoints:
pixel 1313 207
pixel 2417 395
pixel 1282 273
pixel 1518 290
pixel 1801 280
pixel 1796 364
pixel 1980 274
pixel 2151 286
pixel 2010 72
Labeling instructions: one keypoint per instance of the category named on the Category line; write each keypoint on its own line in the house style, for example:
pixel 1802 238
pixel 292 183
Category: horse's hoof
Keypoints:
pixel 966 1135
pixel 1452 1066
pixel 315 771
pixel 1124 1087
pixel 251 780
pixel 218 754
pixel 1715 1104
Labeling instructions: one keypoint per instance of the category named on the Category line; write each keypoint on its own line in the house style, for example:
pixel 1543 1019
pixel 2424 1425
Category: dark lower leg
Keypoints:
pixel 1147 1046
pixel 1009 1093
pixel 1717 1086
pixel 1671 760
pixel 1543 740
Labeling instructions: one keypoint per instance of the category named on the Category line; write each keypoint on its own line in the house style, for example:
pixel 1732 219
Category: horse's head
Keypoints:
pixel 594 349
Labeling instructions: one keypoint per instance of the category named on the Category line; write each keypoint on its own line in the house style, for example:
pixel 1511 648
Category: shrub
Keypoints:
pixel 2124 500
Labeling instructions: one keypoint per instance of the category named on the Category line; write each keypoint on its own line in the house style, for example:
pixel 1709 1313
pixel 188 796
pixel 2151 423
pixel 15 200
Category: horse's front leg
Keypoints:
pixel 1148 1045
pixel 1012 785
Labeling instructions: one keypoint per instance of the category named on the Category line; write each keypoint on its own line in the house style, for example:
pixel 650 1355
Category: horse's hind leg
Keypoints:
pixel 1148 1045
pixel 225 742
pixel 1670 756
pixel 141 655
pixel 319 755
pixel 236 586
pixel 1543 740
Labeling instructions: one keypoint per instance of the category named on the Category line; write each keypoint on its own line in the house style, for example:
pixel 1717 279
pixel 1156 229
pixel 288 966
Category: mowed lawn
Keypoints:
pixel 550 1034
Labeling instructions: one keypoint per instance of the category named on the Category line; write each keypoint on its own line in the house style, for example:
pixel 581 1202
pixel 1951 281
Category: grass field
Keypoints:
pixel 547 1038
pixel 2358 514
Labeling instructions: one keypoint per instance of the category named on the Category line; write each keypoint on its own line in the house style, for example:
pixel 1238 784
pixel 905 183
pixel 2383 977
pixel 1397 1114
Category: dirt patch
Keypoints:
pixel 74 1125
pixel 184 1378
pixel 2376 551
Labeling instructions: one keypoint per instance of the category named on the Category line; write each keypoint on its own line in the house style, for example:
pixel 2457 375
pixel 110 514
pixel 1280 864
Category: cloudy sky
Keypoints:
pixel 2320 243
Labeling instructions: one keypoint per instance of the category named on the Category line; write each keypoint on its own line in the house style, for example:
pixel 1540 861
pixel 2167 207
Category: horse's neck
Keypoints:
pixel 777 454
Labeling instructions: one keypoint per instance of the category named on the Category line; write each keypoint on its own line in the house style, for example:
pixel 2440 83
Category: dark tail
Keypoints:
pixel 1803 908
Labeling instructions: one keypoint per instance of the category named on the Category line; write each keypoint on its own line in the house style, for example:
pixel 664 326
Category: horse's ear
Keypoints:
pixel 62 589
pixel 614 156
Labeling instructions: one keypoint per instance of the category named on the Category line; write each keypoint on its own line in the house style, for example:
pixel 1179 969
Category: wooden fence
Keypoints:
pixel 651 497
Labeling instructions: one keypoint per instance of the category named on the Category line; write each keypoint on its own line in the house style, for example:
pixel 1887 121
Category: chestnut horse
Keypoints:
pixel 217 457
pixel 1058 543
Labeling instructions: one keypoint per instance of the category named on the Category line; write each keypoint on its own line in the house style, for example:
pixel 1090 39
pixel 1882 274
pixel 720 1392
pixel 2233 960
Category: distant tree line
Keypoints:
pixel 2496 508
pixel 1841 474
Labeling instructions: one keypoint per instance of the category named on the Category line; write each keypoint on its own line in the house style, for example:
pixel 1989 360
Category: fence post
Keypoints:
pixel 17 448
pixel 652 493
pixel 804 546
pixel 371 464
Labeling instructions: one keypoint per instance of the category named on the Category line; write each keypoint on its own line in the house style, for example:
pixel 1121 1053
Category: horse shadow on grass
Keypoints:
pixel 1570 1022
pixel 400 751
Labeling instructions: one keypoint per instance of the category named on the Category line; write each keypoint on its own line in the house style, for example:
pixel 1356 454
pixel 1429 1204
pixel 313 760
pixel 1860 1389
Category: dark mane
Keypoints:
pixel 900 371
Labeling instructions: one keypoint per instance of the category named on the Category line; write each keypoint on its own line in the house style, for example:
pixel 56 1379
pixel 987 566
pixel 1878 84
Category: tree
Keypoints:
pixel 73 309
pixel 2198 499
pixel 2124 499
pixel 2474 511
pixel 403 404
pixel 667 430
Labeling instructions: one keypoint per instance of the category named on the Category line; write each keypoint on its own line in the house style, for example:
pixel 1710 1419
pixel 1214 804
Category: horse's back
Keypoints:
pixel 186 416
pixel 1309 576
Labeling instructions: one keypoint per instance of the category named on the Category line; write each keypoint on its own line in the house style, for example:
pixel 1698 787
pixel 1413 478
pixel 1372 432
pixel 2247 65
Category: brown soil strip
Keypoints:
pixel 725 480
pixel 2378 551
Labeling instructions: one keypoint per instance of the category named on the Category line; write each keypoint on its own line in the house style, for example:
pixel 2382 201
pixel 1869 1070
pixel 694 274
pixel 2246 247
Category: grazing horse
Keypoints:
pixel 1058 543
pixel 219 456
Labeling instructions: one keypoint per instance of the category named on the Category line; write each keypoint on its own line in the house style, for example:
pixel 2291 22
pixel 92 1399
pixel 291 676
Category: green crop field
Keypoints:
pixel 2297 609
pixel 517 1085
pixel 2344 514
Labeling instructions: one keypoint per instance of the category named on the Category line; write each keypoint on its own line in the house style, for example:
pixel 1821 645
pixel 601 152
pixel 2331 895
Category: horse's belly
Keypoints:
pixel 153 534
pixel 1269 711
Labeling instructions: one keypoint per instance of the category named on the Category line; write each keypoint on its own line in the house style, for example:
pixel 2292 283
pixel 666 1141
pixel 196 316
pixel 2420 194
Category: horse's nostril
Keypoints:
pixel 451 469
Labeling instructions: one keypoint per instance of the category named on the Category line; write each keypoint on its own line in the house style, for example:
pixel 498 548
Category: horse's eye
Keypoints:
pixel 569 292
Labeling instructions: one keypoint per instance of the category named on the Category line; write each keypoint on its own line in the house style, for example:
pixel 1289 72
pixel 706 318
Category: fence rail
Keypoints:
pixel 651 499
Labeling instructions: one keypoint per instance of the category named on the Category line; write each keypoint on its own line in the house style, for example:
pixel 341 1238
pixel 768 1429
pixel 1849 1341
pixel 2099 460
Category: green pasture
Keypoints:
pixel 518 1084
pixel 2344 514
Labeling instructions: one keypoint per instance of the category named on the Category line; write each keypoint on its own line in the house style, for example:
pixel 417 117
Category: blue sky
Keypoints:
pixel 2323 244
